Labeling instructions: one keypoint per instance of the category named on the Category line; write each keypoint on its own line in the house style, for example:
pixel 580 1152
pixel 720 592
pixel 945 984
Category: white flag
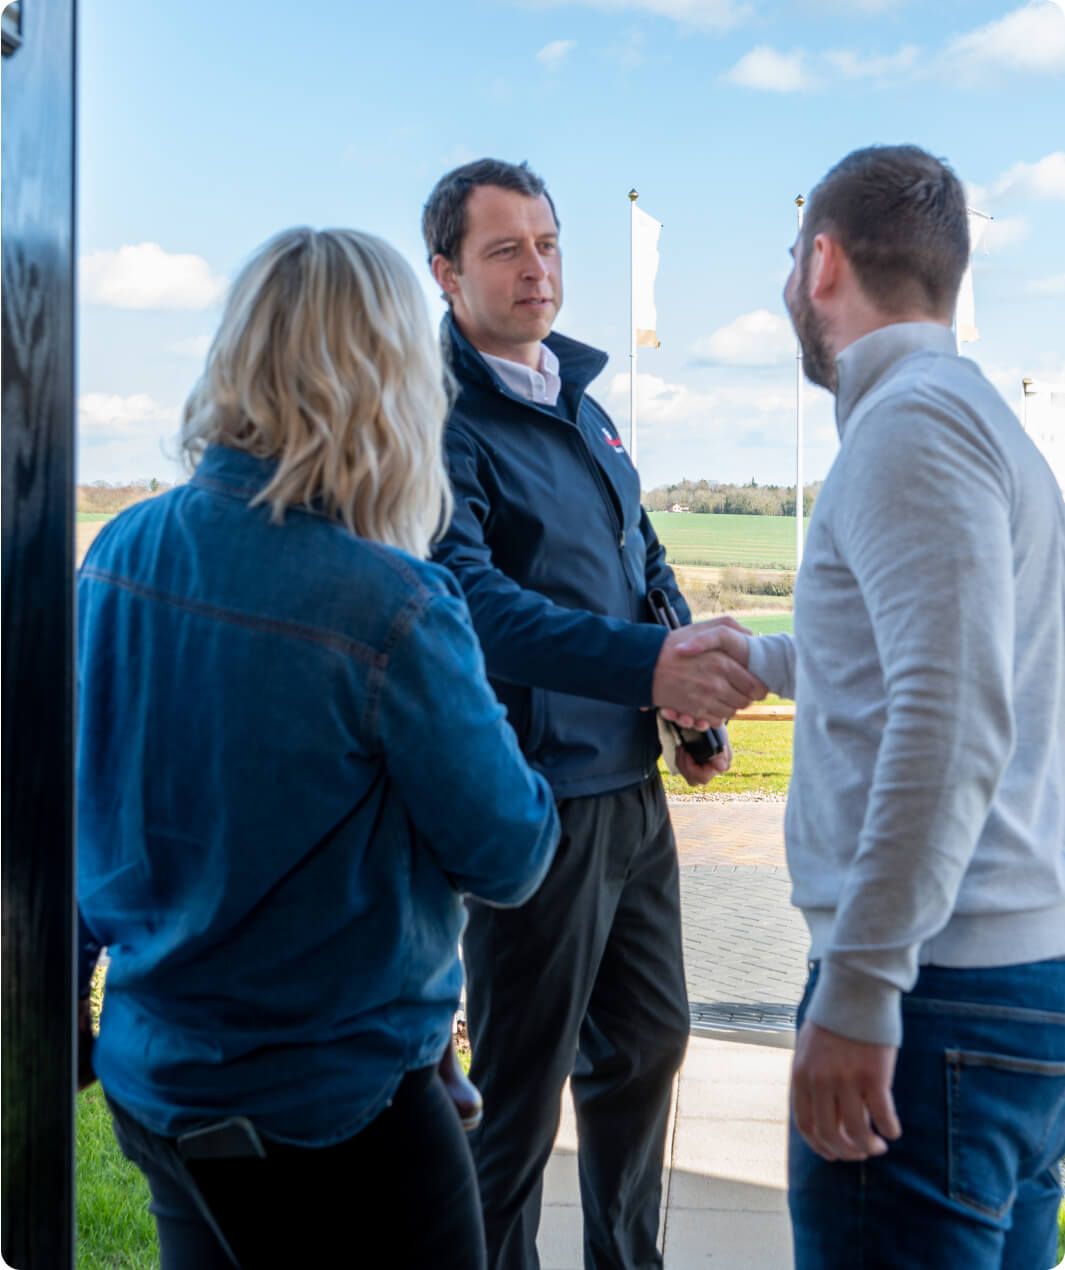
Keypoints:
pixel 965 314
pixel 645 231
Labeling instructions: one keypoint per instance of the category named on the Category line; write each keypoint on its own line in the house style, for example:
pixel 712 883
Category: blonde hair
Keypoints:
pixel 325 362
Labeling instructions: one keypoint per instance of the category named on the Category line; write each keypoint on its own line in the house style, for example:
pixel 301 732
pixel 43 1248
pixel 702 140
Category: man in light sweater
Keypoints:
pixel 926 818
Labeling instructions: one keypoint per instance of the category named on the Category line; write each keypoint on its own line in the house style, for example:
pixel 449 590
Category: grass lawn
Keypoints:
pixel 115 1229
pixel 766 623
pixel 84 517
pixel 756 542
pixel 761 760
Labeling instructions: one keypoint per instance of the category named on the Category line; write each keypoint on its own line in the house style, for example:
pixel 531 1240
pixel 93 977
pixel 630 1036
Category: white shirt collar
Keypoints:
pixel 540 386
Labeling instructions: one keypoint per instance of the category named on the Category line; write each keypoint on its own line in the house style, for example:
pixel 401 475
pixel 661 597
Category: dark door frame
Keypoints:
pixel 37 825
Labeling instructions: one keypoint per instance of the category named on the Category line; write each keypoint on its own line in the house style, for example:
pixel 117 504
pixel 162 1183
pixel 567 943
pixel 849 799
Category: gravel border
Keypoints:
pixel 746 796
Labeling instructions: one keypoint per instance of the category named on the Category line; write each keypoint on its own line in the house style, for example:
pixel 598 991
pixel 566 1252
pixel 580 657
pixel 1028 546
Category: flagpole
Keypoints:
pixel 633 196
pixel 800 496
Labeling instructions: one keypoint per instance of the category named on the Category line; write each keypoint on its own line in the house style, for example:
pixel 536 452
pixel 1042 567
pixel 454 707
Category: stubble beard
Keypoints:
pixel 818 362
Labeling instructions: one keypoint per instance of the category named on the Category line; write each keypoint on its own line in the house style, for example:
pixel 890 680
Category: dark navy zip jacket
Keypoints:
pixel 555 556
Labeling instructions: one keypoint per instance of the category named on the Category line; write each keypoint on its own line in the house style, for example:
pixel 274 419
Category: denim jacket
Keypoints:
pixel 290 766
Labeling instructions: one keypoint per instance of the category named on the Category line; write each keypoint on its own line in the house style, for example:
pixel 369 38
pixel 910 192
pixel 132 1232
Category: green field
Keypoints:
pixel 84 517
pixel 767 623
pixel 754 542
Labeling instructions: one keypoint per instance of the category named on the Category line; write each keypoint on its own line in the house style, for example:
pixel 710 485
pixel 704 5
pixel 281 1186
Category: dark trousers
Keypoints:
pixel 586 978
pixel 972 1184
pixel 402 1193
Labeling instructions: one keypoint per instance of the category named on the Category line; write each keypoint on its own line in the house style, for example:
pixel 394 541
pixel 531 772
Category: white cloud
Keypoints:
pixel 661 402
pixel 742 426
pixel 196 346
pixel 1048 286
pixel 1031 38
pixel 760 338
pixel 146 277
pixel 853 65
pixel 764 68
pixel 106 417
pixel 1044 179
pixel 851 7
pixel 658 401
pixel 555 53
pixel 712 15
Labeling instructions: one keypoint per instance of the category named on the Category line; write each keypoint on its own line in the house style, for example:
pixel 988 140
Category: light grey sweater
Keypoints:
pixel 926 815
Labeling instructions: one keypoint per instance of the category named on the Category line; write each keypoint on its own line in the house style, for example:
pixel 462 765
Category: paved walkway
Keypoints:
pixel 724 1180
pixel 744 944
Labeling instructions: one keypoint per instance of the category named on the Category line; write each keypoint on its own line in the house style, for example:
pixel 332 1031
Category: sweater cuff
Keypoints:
pixel 856 1005
pixel 767 658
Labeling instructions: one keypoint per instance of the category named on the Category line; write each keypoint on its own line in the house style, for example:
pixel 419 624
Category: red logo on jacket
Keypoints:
pixel 614 442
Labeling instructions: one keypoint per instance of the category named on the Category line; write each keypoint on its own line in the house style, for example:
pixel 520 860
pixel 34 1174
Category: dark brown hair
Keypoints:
pixel 444 214
pixel 899 214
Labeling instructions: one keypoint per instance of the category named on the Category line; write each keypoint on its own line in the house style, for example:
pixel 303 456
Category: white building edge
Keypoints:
pixel 1043 418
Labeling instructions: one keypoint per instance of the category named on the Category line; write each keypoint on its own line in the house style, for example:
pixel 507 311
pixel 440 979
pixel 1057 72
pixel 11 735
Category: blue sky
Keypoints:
pixel 205 129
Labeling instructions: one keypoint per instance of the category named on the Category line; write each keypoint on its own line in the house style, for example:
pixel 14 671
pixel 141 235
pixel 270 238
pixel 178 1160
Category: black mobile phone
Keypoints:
pixel 702 746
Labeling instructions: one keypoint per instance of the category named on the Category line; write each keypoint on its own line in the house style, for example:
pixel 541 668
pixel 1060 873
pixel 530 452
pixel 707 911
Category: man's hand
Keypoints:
pixel 701 677
pixel 841 1094
pixel 702 774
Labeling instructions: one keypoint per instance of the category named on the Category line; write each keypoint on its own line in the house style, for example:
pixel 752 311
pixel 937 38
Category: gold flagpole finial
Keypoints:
pixel 633 195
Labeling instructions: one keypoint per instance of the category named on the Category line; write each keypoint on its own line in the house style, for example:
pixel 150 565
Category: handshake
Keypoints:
pixel 701 679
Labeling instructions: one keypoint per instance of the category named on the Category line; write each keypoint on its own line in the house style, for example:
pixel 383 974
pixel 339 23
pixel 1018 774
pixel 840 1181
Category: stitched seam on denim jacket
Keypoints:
pixel 276 626
pixel 400 628
pixel 980 1009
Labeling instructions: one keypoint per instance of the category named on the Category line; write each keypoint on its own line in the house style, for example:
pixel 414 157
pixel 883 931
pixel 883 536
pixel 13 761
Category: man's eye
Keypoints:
pixel 503 251
pixel 547 248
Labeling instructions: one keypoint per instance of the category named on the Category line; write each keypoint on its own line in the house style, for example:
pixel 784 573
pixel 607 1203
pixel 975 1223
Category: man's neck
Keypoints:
pixel 869 320
pixel 524 354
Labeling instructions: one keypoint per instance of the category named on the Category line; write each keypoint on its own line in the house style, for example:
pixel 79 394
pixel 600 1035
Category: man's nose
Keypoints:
pixel 532 265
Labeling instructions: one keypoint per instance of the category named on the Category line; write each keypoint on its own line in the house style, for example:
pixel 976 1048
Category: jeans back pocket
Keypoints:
pixel 1006 1123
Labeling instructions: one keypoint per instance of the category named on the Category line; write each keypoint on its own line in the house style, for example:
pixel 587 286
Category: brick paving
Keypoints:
pixel 744 944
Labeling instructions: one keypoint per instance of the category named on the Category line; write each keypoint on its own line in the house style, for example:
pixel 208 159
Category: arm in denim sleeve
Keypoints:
pixel 925 529
pixel 659 573
pixel 488 819
pixel 528 639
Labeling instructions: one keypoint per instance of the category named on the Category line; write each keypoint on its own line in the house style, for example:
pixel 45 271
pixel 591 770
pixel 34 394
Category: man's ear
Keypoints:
pixel 825 267
pixel 445 273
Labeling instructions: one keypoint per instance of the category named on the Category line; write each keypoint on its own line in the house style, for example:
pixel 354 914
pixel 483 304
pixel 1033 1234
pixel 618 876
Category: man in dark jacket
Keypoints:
pixel 556 557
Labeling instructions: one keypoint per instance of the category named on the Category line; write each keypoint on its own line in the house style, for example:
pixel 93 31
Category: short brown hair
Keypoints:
pixel 899 214
pixel 444 214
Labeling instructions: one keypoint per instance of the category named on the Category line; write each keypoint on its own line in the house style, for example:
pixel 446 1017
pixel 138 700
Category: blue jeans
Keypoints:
pixel 973 1182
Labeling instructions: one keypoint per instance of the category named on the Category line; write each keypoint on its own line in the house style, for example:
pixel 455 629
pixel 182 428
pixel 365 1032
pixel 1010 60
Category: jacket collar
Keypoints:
pixel 240 473
pixel 863 364
pixel 578 363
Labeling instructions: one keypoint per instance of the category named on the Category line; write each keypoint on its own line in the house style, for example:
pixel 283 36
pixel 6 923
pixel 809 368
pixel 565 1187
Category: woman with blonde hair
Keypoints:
pixel 290 768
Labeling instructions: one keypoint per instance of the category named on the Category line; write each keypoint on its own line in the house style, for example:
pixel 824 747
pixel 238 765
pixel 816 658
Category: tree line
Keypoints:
pixel 741 500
